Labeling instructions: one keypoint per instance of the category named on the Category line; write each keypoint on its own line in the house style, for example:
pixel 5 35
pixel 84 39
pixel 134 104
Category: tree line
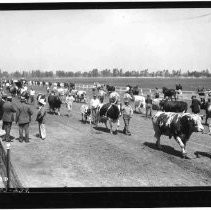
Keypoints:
pixel 105 73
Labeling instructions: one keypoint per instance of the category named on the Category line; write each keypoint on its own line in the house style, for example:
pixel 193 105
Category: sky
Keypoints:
pixel 80 40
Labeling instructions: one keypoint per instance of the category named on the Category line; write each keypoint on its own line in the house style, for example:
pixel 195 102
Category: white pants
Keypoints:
pixel 42 131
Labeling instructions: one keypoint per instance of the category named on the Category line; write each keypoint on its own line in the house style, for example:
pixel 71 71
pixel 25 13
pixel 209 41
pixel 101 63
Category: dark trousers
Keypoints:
pixel 32 99
pixel 25 128
pixel 126 122
pixel 7 127
pixel 149 109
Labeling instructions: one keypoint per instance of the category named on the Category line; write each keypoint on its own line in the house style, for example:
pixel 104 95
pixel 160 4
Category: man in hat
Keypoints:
pixel 23 118
pixel 41 119
pixel 94 105
pixel 127 113
pixel 8 117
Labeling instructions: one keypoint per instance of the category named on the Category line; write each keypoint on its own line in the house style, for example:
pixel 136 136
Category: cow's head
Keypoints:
pixel 195 120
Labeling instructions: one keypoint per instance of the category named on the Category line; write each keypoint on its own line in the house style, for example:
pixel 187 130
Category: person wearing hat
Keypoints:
pixel 8 117
pixel 69 102
pixel 127 113
pixel 148 102
pixel 41 119
pixel 94 105
pixel 195 105
pixel 23 118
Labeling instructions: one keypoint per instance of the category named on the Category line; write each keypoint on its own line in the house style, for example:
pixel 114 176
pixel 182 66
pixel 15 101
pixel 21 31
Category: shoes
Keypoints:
pixel 43 138
pixel 27 141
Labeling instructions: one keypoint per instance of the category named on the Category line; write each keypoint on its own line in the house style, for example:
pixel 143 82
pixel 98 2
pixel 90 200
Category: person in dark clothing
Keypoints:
pixel 3 99
pixel 23 118
pixel 195 105
pixel 8 118
pixel 148 101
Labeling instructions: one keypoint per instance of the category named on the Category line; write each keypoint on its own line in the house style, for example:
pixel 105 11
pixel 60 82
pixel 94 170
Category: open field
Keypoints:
pixel 75 154
pixel 190 84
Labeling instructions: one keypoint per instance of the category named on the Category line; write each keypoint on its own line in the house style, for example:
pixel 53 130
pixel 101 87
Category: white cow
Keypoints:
pixel 139 102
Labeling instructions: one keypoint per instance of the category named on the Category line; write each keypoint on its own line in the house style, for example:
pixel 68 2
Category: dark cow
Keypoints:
pixel 110 88
pixel 111 113
pixel 26 95
pixel 54 103
pixel 173 106
pixel 133 90
pixel 171 93
pixel 178 87
pixel 13 90
pixel 178 125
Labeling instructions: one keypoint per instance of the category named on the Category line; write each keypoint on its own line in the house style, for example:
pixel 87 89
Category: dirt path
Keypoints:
pixel 78 155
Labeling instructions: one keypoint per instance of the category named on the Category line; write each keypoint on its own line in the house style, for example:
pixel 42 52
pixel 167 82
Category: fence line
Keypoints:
pixel 123 89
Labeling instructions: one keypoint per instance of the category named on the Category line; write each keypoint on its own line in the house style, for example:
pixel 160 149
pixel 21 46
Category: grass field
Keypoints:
pixel 189 84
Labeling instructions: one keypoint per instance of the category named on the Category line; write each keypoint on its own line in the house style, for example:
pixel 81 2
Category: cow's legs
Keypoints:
pixel 157 136
pixel 118 124
pixel 111 128
pixel 179 141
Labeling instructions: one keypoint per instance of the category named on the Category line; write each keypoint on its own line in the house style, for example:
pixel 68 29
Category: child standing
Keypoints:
pixel 127 113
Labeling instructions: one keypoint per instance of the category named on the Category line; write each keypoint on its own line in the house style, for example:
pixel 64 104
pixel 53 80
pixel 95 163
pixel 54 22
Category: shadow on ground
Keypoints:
pixel 102 129
pixel 164 148
pixel 205 154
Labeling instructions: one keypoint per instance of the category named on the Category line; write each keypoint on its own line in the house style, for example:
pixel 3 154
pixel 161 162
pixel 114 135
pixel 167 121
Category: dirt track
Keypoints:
pixel 78 155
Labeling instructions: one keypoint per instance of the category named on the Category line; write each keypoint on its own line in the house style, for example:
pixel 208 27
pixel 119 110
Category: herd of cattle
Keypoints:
pixel 171 117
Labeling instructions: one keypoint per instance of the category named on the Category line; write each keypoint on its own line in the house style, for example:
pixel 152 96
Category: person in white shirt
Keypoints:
pixel 69 103
pixel 94 105
pixel 32 95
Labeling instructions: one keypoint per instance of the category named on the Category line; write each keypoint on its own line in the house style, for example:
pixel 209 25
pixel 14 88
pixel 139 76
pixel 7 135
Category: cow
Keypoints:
pixel 85 113
pixel 80 95
pixel 41 96
pixel 173 106
pixel 179 125
pixel 133 89
pixel 139 102
pixel 171 93
pixel 110 88
pixel 109 112
pixel 54 103
pixel 13 90
pixel 26 95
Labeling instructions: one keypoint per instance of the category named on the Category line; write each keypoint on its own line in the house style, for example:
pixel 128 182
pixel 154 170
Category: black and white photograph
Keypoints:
pixel 105 98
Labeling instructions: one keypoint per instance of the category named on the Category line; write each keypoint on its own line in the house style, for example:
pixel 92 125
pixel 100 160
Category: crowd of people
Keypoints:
pixel 21 114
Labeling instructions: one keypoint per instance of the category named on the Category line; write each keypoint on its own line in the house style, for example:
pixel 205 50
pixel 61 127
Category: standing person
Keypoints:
pixel 2 101
pixel 23 118
pixel 195 105
pixel 127 113
pixel 156 93
pixel 8 118
pixel 94 104
pixel 69 103
pixel 208 114
pixel 148 102
pixel 32 95
pixel 41 119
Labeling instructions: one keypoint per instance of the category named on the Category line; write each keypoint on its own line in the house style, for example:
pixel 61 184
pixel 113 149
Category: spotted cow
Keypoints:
pixel 177 125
